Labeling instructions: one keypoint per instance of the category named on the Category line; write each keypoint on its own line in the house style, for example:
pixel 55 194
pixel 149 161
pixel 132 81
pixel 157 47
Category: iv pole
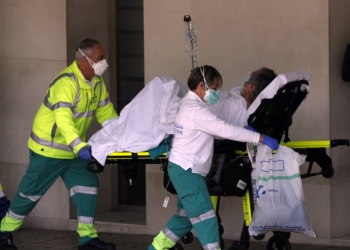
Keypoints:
pixel 191 40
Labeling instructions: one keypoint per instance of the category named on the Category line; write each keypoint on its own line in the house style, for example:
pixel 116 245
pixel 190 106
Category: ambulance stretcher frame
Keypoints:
pixel 279 110
pixel 314 150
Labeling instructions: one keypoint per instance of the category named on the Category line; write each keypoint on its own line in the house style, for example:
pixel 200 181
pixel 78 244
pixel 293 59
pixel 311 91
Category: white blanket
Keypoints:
pixel 144 122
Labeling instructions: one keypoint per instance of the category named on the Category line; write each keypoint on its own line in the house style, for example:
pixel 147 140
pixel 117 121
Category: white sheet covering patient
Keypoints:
pixel 149 118
pixel 144 123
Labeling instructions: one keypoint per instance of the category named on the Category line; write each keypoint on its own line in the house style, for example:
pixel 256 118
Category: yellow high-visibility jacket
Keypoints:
pixel 60 125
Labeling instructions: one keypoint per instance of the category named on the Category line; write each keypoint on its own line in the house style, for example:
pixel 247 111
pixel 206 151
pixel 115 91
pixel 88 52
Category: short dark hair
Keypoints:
pixel 260 79
pixel 211 74
pixel 87 47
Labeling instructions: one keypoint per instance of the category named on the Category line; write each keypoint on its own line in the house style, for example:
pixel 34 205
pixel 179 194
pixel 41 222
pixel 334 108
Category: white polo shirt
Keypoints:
pixel 195 129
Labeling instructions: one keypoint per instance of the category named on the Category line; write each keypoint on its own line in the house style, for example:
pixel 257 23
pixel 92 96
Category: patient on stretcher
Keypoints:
pixel 149 118
pixel 235 106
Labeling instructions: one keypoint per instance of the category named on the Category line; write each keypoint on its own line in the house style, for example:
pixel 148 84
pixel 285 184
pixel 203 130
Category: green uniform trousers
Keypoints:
pixel 40 175
pixel 195 210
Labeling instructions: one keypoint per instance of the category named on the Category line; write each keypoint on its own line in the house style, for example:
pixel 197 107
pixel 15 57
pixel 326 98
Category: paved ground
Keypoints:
pixel 35 239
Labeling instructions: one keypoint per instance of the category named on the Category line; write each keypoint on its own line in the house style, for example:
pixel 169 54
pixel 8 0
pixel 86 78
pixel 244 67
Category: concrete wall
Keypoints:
pixel 237 38
pixel 339 37
pixel 33 50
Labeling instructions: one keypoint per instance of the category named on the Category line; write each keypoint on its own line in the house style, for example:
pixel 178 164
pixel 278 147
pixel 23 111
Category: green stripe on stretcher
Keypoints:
pixel 279 177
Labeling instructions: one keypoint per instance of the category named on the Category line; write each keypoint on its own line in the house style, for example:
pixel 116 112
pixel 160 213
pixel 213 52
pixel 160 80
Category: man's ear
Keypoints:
pixel 85 59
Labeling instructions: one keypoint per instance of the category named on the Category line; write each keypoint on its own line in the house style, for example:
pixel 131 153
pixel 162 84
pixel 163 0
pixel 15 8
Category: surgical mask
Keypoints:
pixel 246 80
pixel 211 96
pixel 99 68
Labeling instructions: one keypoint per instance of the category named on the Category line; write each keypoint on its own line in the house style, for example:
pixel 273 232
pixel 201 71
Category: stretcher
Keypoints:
pixel 273 117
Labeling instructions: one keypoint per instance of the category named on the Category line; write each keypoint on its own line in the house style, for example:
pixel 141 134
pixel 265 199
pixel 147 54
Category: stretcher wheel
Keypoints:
pixel 177 247
pixel 288 235
pixel 328 173
pixel 259 237
pixel 237 245
pixel 187 238
pixel 221 229
pixel 278 243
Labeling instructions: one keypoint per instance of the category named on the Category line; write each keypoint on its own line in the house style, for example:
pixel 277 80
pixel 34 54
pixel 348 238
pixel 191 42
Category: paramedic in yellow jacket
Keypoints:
pixel 58 145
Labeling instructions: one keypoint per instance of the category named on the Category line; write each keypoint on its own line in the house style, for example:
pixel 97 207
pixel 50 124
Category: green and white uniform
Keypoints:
pixel 189 163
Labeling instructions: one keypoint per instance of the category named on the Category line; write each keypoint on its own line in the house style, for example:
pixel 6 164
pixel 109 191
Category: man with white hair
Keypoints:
pixel 58 145
pixel 233 105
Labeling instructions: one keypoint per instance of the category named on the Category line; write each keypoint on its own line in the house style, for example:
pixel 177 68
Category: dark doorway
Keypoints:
pixel 130 78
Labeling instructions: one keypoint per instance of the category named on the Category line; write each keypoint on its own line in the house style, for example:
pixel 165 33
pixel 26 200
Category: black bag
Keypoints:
pixel 235 178
pixel 345 72
pixel 229 175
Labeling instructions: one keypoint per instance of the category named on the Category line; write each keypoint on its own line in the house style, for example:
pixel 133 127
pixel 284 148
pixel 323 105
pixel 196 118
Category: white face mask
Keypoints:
pixel 99 68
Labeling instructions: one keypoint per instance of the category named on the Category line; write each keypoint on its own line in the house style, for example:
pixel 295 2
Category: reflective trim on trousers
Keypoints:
pixel 211 246
pixel 85 220
pixel 170 234
pixel 33 198
pixel 15 216
pixel 202 217
pixel 181 212
pixel 82 190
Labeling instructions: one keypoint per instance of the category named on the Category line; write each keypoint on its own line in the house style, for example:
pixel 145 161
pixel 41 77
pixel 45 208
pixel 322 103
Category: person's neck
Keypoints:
pixel 85 73
pixel 199 93
pixel 245 95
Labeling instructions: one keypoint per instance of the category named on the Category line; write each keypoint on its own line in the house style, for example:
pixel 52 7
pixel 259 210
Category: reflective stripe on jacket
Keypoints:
pixel 60 125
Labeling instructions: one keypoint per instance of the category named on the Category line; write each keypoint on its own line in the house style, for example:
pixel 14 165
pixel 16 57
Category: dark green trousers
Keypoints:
pixel 40 175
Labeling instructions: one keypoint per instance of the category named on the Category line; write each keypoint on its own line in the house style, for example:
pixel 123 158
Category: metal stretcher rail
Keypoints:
pixel 316 150
pixel 129 156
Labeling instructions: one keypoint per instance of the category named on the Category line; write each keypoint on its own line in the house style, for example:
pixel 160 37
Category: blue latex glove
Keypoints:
pixel 251 129
pixel 271 142
pixel 85 153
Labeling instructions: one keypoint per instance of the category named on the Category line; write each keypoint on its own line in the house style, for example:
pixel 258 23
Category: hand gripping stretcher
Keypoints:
pixel 273 117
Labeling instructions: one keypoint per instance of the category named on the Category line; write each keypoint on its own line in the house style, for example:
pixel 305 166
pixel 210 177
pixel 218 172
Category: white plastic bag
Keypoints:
pixel 280 203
